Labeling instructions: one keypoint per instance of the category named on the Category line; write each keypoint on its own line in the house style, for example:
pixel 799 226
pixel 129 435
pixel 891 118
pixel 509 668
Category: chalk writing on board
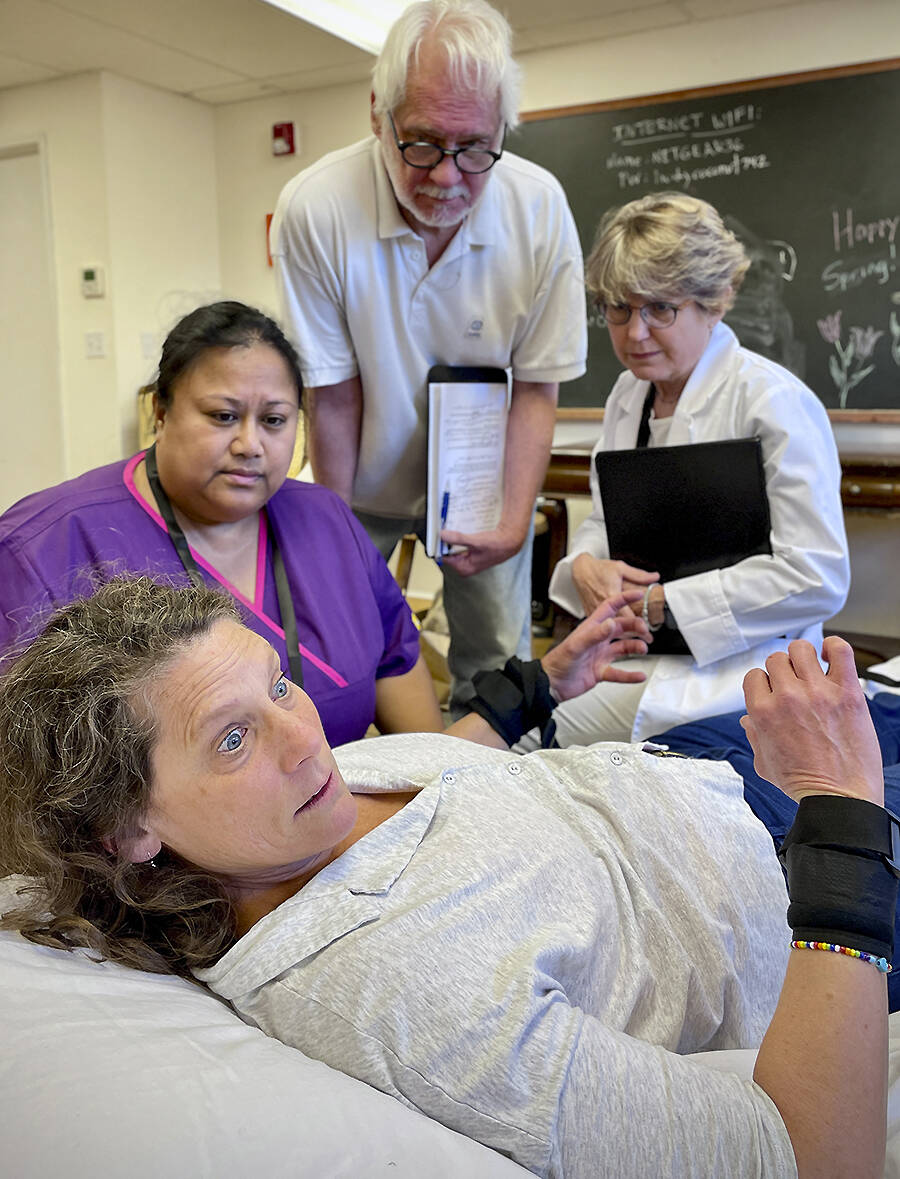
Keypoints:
pixel 865 254
pixel 865 249
pixel 787 256
pixel 677 151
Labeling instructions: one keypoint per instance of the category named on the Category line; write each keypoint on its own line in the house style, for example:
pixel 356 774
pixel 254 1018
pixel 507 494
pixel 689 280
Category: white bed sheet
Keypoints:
pixel 108 1071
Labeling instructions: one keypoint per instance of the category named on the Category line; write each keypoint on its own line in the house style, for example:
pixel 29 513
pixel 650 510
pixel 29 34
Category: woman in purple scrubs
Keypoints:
pixel 211 501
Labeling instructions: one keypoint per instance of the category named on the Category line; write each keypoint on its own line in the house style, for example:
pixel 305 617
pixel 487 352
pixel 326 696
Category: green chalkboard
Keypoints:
pixel 806 170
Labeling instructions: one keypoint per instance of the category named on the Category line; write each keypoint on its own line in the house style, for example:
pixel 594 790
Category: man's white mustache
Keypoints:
pixel 442 194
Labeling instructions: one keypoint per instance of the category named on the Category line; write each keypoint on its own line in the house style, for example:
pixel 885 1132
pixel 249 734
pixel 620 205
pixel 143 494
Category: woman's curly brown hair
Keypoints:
pixel 77 736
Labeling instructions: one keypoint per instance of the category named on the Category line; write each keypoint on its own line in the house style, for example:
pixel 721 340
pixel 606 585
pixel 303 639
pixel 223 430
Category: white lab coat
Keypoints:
pixel 733 618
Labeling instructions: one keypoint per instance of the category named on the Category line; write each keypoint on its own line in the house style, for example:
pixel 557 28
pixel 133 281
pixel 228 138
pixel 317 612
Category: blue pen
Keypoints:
pixel 445 507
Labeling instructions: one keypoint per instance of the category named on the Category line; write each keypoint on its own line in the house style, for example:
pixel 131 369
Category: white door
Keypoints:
pixel 30 402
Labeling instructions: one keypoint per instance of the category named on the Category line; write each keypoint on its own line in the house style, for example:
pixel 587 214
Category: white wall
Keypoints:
pixel 731 49
pixel 250 177
pixel 163 226
pixel 67 114
pixel 132 180
pixel 33 455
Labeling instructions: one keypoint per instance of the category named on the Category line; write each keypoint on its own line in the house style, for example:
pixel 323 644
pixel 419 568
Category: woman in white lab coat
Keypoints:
pixel 663 271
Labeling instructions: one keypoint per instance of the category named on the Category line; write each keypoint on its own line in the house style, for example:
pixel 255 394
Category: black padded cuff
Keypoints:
pixel 840 897
pixel 840 857
pixel 515 699
pixel 857 826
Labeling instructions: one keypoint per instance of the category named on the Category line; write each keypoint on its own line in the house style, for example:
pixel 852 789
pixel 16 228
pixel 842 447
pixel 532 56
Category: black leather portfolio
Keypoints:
pixel 685 509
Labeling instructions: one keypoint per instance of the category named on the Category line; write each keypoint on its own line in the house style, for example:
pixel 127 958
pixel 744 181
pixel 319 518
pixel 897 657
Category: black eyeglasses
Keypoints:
pixel 657 315
pixel 429 155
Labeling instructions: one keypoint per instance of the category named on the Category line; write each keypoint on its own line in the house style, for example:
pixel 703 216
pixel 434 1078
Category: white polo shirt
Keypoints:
pixel 360 298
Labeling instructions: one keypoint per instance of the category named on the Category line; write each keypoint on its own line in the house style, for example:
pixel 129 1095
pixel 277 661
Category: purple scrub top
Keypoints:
pixel 354 624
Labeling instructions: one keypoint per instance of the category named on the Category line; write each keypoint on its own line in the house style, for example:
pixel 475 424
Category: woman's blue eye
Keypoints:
pixel 281 689
pixel 233 741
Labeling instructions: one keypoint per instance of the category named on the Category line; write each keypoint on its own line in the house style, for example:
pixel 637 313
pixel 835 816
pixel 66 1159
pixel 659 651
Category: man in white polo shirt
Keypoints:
pixel 428 244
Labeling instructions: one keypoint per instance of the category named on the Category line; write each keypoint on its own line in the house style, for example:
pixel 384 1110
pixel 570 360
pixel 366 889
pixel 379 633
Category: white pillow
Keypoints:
pixel 114 1072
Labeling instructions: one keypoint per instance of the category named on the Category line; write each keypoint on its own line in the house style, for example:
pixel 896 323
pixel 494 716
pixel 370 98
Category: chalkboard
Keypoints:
pixel 806 170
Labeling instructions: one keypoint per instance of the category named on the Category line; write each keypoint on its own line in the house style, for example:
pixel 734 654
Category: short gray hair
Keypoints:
pixel 666 245
pixel 477 40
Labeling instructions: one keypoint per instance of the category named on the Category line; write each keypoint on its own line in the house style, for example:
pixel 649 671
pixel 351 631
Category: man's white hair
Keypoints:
pixel 475 37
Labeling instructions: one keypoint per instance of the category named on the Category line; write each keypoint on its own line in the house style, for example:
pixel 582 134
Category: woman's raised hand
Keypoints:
pixel 586 656
pixel 810 730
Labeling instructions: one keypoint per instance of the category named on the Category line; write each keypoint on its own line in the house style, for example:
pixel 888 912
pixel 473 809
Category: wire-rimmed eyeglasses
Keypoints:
pixel 428 155
pixel 655 315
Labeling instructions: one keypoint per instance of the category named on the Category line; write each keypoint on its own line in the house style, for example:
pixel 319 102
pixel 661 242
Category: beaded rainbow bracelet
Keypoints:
pixel 881 964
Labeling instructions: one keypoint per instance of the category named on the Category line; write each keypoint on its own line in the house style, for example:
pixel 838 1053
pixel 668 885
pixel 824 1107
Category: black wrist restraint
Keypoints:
pixel 515 699
pixel 842 858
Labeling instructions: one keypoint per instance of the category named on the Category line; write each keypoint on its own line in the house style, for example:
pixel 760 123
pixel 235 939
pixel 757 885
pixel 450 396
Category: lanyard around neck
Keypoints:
pixel 283 590
pixel 644 428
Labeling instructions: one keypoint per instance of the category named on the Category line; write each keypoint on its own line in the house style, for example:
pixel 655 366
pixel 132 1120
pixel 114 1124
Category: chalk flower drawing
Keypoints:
pixel 846 367
pixel 864 341
pixel 830 327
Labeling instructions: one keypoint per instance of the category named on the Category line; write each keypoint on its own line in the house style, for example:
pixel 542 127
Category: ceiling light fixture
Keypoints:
pixel 363 23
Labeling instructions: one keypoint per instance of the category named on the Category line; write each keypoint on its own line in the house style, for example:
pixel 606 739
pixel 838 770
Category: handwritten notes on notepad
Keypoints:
pixel 467 412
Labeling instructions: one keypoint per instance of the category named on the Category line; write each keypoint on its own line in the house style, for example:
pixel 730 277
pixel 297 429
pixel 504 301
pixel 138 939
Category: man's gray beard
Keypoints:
pixel 436 220
pixel 440 221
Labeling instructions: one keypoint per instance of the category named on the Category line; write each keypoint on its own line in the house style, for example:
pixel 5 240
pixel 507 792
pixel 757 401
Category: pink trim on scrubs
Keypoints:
pixel 262 546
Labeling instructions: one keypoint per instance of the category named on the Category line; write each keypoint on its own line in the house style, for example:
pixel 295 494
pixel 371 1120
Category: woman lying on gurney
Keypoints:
pixel 524 948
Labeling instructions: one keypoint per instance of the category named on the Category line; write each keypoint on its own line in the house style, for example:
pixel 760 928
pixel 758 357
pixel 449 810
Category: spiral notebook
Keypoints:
pixel 685 509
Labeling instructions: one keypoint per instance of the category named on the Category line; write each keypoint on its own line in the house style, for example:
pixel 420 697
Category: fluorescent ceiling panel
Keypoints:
pixel 363 23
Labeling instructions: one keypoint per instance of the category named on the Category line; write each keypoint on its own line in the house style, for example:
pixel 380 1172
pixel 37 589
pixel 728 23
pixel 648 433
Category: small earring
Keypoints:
pixel 151 862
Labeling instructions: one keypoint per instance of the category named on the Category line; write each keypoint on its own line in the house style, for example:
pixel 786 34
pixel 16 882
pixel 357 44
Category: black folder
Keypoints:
pixel 685 509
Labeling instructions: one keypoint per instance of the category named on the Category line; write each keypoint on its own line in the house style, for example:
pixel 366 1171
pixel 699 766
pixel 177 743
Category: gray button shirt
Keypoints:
pixel 527 949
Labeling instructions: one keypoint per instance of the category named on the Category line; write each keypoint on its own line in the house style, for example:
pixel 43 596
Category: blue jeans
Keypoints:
pixel 721 738
pixel 489 614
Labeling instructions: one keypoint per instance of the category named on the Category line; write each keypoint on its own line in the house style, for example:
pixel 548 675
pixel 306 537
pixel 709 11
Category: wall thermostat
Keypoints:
pixel 92 285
